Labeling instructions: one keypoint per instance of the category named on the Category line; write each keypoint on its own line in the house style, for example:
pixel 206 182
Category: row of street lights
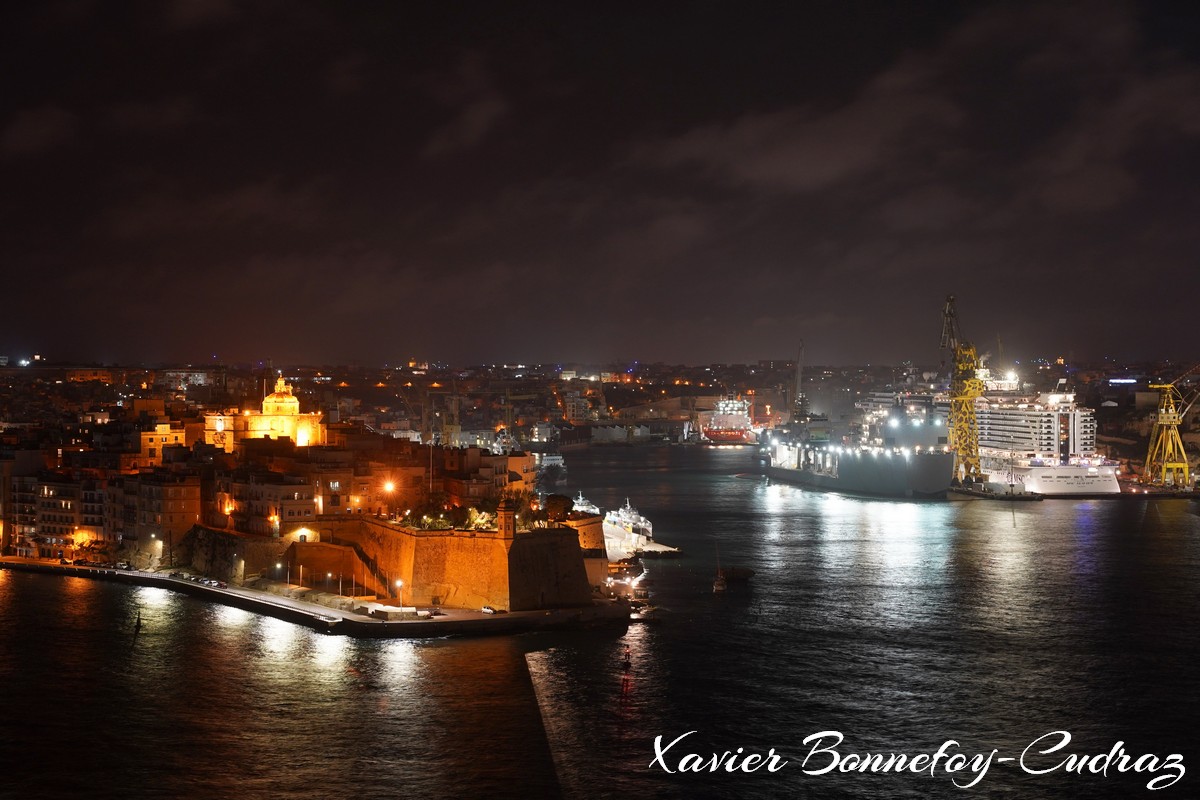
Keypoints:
pixel 329 577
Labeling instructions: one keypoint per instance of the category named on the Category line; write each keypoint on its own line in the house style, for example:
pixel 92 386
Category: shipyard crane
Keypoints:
pixel 1166 461
pixel 965 389
pixel 800 406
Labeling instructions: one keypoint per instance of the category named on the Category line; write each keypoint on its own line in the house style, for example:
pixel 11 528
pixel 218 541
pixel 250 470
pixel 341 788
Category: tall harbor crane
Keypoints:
pixel 965 388
pixel 1166 461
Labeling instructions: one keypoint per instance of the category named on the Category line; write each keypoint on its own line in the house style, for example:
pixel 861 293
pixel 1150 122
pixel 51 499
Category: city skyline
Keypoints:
pixel 195 181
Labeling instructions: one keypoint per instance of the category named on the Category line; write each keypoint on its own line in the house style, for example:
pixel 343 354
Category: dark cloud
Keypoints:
pixel 476 104
pixel 262 202
pixel 153 117
pixel 182 14
pixel 346 75
pixel 809 149
pixel 539 182
pixel 38 130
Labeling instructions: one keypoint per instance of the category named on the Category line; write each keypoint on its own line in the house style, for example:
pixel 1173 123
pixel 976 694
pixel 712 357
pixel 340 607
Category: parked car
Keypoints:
pixel 488 610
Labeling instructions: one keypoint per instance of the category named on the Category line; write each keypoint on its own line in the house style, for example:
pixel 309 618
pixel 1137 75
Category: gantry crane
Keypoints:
pixel 1166 461
pixel 965 388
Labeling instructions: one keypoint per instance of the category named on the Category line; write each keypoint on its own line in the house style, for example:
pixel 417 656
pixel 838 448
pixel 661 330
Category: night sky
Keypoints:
pixel 369 182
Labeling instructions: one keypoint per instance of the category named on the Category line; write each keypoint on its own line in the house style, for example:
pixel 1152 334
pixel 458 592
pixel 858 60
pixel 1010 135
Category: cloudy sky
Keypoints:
pixel 672 181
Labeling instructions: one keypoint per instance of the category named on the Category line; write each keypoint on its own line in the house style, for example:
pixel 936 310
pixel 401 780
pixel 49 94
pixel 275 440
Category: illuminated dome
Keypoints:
pixel 281 402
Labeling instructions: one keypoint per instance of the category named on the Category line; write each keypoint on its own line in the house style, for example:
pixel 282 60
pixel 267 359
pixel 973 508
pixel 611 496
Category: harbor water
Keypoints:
pixel 900 625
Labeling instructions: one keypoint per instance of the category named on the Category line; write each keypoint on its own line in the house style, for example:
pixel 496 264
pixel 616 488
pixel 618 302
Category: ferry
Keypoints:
pixel 632 524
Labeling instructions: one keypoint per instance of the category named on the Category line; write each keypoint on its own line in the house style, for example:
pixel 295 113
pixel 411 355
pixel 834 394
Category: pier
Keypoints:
pixel 433 623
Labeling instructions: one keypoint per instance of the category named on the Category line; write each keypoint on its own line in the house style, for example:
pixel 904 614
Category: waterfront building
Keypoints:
pixel 253 500
pixel 151 510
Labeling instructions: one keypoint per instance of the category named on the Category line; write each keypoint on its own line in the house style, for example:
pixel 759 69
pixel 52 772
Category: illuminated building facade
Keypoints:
pixel 255 501
pixel 280 418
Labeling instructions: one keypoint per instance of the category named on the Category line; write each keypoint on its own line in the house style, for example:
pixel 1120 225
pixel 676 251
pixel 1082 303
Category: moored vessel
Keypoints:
pixel 729 423
pixel 870 471
pixel 1043 444
pixel 897 449
pixel 630 524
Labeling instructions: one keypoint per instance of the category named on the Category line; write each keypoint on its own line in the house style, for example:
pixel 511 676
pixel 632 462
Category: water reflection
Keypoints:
pixel 330 651
pixel 233 618
pixel 277 637
pixel 154 596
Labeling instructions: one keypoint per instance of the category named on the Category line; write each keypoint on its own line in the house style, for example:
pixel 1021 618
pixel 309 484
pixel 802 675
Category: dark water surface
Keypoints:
pixel 900 625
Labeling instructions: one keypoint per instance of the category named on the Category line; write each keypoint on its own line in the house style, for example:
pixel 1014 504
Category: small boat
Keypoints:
pixel 738 573
pixel 719 583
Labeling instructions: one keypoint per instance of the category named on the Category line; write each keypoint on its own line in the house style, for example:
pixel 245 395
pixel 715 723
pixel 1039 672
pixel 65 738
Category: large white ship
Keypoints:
pixel 1043 443
pixel 628 526
pixel 626 532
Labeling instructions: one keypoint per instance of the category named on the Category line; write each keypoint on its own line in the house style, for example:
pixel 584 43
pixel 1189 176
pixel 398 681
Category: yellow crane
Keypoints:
pixel 1166 461
pixel 965 389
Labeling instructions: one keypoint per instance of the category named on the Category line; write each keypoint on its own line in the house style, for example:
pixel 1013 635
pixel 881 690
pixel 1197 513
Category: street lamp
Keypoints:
pixel 400 590
pixel 390 488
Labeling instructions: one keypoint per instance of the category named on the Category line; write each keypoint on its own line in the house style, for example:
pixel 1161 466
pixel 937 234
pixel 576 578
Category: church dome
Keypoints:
pixel 281 402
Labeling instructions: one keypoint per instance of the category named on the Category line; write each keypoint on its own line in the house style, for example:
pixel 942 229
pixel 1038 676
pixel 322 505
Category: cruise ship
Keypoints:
pixel 1043 443
pixel 729 423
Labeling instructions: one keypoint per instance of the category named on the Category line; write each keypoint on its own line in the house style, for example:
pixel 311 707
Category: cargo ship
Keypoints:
pixel 916 473
pixel 729 423
pixel 897 449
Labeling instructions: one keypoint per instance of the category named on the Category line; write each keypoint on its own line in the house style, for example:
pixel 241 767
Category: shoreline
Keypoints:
pixel 450 622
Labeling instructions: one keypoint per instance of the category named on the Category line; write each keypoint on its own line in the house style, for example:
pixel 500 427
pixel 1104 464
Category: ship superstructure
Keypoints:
pixel 729 423
pixel 1043 443
pixel 626 532
pixel 899 449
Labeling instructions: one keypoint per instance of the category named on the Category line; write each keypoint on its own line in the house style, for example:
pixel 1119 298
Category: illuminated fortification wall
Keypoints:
pixel 455 569
pixel 590 528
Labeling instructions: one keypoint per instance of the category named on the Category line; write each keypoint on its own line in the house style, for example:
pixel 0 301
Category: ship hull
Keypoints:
pixel 925 476
pixel 729 435
pixel 1065 481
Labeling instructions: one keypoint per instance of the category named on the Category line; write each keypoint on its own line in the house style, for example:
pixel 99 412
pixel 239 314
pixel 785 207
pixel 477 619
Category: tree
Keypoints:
pixel 558 506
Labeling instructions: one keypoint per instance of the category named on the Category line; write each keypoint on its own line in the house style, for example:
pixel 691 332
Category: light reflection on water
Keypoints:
pixel 900 624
